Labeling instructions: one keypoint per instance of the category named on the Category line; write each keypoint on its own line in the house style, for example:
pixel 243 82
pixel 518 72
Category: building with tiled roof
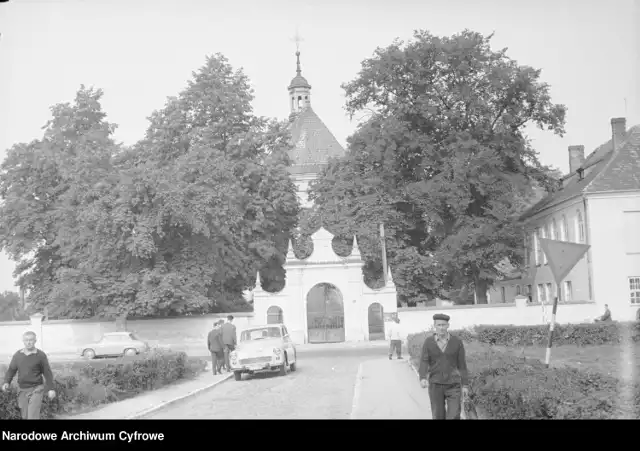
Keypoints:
pixel 598 204
pixel 314 143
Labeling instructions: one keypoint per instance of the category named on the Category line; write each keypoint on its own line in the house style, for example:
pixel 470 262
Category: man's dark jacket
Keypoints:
pixel 229 334
pixel 448 367
pixel 214 341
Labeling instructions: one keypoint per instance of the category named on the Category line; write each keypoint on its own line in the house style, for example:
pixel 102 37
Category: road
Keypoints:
pixel 322 387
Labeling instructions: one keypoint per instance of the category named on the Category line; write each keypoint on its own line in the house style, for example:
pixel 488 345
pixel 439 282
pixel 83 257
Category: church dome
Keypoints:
pixel 299 82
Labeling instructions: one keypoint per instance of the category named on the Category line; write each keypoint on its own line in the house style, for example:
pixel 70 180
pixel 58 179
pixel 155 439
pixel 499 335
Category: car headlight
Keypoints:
pixel 277 351
pixel 234 356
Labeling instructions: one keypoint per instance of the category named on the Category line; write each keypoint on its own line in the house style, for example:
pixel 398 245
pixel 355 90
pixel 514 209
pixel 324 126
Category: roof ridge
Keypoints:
pixel 573 187
pixel 631 132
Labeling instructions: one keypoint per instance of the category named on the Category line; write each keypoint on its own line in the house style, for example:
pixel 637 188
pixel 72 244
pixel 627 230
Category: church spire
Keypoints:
pixel 299 88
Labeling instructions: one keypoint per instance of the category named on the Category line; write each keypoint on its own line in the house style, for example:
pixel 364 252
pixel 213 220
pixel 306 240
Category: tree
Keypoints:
pixel 11 307
pixel 443 159
pixel 176 224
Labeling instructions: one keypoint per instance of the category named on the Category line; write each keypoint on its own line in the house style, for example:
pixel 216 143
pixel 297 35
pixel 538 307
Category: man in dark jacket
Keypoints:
pixel 216 348
pixel 228 340
pixel 32 367
pixel 443 368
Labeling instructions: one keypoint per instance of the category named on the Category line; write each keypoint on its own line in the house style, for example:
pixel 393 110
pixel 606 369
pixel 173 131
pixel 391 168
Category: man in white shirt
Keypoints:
pixel 396 336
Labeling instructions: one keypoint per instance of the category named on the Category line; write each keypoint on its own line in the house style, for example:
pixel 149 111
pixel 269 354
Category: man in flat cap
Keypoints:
pixel 443 368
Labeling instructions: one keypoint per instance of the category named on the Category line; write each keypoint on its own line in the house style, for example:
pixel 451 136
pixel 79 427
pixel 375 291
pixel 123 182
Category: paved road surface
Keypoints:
pixel 335 384
pixel 389 391
pixel 320 388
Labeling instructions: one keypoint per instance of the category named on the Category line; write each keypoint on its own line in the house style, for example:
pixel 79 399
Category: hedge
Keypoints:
pixel 504 386
pixel 564 334
pixel 82 385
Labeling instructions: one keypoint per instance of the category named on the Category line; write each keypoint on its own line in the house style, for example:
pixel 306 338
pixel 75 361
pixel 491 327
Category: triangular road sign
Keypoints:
pixel 562 256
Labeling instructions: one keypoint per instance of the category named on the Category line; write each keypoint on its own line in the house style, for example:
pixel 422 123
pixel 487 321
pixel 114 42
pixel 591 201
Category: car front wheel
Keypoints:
pixel 283 368
pixel 237 375
pixel 89 354
pixel 130 352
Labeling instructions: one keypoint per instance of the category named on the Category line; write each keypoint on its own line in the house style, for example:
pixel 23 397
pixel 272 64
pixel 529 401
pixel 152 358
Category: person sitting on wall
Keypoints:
pixel 606 316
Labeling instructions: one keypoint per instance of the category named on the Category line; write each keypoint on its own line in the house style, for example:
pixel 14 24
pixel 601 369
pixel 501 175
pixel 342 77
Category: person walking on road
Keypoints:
pixel 229 340
pixel 216 347
pixel 396 337
pixel 443 369
pixel 32 367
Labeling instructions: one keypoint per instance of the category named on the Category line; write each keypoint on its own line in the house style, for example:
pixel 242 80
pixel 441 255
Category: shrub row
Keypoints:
pixel 82 385
pixel 564 334
pixel 504 386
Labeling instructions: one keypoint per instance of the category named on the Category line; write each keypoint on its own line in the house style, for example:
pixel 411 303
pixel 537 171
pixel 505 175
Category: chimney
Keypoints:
pixel 618 130
pixel 576 158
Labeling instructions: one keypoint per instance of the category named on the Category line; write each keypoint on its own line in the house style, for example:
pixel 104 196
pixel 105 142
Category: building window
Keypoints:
pixel 555 232
pixel 543 234
pixel 568 291
pixel 549 292
pixel 527 252
pixel 503 294
pixel 580 228
pixel 541 294
pixel 518 292
pixel 275 315
pixel 634 290
pixel 536 245
pixel 564 229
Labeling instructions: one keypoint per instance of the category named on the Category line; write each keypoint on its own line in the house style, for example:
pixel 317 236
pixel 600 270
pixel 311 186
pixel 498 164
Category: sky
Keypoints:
pixel 140 52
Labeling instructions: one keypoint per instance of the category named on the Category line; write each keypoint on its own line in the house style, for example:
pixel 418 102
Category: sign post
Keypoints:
pixel 562 257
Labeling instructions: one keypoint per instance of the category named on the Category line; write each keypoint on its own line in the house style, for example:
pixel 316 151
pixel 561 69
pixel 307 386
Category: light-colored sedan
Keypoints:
pixel 263 349
pixel 115 344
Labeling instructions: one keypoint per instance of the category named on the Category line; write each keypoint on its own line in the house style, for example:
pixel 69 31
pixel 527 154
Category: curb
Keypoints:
pixel 142 413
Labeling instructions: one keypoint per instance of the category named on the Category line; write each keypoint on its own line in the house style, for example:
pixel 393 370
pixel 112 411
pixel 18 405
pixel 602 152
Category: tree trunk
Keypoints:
pixel 480 287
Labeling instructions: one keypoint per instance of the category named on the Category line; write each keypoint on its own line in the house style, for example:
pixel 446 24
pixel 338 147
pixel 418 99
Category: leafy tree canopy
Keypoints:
pixel 11 308
pixel 443 159
pixel 178 223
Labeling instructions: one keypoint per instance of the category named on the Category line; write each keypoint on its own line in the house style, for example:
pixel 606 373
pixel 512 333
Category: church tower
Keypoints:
pixel 324 299
pixel 299 89
pixel 314 143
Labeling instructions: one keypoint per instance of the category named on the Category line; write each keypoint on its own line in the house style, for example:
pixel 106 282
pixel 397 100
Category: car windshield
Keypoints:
pixel 260 334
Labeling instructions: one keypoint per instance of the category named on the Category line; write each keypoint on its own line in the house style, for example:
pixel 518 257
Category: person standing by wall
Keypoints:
pixel 229 340
pixel 32 367
pixel 396 336
pixel 216 347
pixel 443 369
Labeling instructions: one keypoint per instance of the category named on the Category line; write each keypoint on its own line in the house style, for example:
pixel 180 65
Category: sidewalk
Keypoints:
pixel 151 401
pixel 389 390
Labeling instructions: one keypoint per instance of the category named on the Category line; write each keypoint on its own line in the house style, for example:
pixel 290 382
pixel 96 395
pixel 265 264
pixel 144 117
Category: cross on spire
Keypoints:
pixel 297 39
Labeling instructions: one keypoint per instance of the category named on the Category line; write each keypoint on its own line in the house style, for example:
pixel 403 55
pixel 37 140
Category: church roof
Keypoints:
pixel 605 169
pixel 299 82
pixel 314 143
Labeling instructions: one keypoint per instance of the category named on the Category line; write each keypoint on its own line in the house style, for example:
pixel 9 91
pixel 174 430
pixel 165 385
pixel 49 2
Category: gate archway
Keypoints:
pixel 275 315
pixel 376 322
pixel 325 314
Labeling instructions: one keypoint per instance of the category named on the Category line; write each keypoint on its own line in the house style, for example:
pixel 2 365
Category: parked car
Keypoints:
pixel 115 344
pixel 263 349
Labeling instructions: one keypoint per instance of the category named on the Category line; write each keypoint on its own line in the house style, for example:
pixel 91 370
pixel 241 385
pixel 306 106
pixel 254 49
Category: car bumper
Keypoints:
pixel 260 367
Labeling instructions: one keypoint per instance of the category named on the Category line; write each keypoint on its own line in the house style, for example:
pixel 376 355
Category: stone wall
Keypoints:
pixel 189 333
pixel 66 336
